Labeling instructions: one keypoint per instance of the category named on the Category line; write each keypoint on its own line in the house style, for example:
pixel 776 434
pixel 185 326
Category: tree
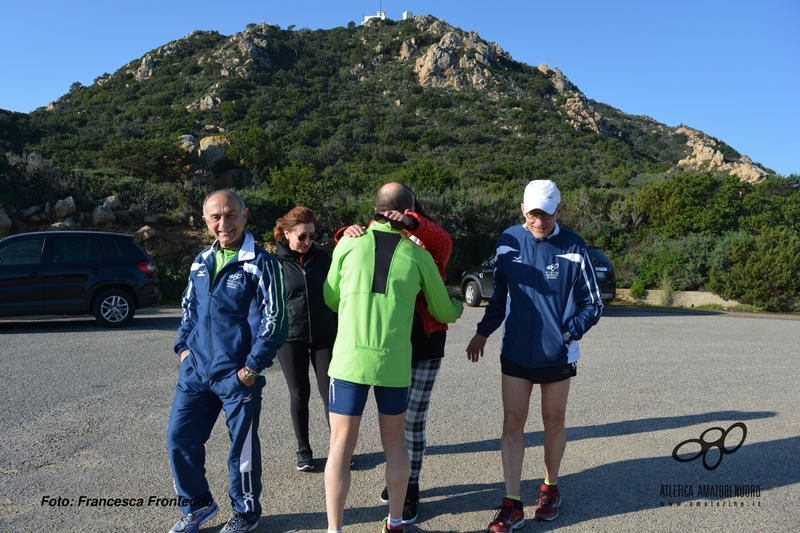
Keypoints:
pixel 155 159
pixel 254 150
pixel 761 271
pixel 678 206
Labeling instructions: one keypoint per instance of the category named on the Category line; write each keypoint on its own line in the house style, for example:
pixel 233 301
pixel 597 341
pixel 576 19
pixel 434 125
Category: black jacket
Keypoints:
pixel 309 317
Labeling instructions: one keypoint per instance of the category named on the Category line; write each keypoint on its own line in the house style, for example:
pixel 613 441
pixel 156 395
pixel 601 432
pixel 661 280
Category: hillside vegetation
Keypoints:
pixel 323 118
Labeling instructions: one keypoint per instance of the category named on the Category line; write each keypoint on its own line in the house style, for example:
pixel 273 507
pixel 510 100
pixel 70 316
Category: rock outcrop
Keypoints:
pixel 213 148
pixel 146 69
pixel 456 60
pixel 706 156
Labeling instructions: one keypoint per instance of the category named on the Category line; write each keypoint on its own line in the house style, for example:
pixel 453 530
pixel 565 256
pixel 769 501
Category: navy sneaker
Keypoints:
pixel 191 522
pixel 237 524
pixel 305 460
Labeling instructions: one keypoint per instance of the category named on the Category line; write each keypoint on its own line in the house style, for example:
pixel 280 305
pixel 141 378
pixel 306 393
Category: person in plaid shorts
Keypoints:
pixel 428 337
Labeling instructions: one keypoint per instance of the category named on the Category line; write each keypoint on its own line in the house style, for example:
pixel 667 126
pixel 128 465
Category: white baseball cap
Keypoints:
pixel 542 194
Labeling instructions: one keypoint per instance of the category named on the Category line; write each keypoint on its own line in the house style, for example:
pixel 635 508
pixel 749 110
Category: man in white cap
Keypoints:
pixel 546 291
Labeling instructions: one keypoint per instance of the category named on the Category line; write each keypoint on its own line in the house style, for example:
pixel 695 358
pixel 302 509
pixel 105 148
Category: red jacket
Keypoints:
pixel 440 245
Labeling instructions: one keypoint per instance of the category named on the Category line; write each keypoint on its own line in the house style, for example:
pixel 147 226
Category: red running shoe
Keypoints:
pixel 549 500
pixel 510 516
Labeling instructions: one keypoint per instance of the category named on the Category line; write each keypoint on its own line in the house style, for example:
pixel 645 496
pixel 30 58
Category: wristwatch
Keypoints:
pixel 567 337
pixel 250 375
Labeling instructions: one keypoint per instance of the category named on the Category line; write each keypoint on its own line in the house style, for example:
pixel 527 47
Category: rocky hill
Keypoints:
pixel 321 118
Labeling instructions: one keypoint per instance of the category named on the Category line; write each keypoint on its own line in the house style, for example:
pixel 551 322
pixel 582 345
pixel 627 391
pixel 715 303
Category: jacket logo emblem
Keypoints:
pixel 517 259
pixel 234 280
pixel 552 271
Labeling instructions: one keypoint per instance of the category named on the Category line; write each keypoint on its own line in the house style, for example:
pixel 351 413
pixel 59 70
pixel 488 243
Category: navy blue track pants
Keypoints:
pixel 195 409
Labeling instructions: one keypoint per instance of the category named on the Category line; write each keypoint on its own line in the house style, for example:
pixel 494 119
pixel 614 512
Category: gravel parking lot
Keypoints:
pixel 83 431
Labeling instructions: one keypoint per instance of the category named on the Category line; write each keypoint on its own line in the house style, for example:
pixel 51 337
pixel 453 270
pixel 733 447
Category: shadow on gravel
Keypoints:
pixel 628 311
pixel 765 465
pixel 86 324
pixel 614 429
pixel 586 496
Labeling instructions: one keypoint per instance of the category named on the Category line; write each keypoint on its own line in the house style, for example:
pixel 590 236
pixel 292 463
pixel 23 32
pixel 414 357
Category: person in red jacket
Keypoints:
pixel 428 337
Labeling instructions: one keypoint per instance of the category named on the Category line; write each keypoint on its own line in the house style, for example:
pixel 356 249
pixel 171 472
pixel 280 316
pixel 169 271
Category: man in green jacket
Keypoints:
pixel 373 284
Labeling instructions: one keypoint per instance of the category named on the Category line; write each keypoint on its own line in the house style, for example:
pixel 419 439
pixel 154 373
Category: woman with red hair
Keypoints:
pixel 312 326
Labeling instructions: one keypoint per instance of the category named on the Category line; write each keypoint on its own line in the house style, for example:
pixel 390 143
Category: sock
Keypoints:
pixel 551 486
pixel 337 531
pixel 395 523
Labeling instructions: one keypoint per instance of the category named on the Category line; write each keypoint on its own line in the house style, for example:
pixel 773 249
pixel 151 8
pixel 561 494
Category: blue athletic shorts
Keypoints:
pixel 347 398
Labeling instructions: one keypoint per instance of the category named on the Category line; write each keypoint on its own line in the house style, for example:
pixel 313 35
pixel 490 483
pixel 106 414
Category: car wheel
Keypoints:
pixel 472 294
pixel 114 308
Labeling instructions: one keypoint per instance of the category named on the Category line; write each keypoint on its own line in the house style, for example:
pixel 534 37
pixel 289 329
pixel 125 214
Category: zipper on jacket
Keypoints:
pixel 308 303
pixel 210 326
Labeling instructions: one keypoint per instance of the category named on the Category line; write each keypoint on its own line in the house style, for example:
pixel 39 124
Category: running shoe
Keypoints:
pixel 386 527
pixel 237 524
pixel 305 460
pixel 510 516
pixel 191 522
pixel 411 503
pixel 549 500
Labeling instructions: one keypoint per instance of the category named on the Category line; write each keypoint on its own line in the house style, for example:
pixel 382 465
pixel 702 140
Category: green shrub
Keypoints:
pixel 638 289
pixel 761 270
pixel 172 281
pixel 667 286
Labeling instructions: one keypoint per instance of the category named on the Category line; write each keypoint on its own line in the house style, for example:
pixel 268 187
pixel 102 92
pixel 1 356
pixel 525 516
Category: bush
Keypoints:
pixel 761 271
pixel 638 289
pixel 667 286
pixel 172 281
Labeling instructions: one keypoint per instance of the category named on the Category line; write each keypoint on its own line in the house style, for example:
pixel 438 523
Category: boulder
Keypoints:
pixel 65 208
pixel 213 148
pixel 144 233
pixel 150 218
pixel 28 213
pixel 187 143
pixel 112 203
pixel 102 216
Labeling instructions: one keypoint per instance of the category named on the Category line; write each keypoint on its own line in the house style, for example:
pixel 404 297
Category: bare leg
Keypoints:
pixel 516 399
pixel 393 438
pixel 344 435
pixel 554 410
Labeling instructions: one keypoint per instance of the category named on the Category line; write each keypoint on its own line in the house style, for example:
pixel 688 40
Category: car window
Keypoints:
pixel 598 256
pixel 69 249
pixel 112 249
pixel 26 252
pixel 95 250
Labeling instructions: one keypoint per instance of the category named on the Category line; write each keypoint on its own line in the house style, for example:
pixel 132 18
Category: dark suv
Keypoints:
pixel 478 284
pixel 76 273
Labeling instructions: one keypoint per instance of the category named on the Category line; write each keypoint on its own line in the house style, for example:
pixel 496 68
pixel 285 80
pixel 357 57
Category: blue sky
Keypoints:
pixel 728 68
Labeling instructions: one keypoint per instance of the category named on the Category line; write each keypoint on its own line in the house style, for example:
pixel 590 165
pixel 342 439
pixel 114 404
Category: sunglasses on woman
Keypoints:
pixel 302 236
